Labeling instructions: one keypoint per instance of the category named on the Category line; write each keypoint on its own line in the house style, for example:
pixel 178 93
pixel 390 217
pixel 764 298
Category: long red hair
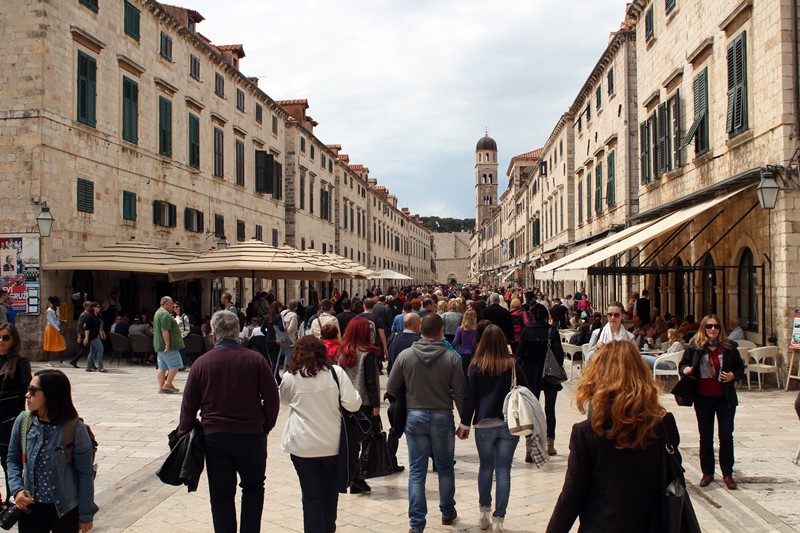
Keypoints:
pixel 356 339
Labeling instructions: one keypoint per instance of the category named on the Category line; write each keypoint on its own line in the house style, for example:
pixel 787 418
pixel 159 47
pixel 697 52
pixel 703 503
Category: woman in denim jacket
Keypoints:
pixel 55 494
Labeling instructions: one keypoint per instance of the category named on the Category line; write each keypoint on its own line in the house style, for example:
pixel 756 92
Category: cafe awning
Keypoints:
pixel 388 274
pixel 578 270
pixel 130 256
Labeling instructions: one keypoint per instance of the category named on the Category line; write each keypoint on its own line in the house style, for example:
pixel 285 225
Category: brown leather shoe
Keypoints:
pixel 707 479
pixel 730 482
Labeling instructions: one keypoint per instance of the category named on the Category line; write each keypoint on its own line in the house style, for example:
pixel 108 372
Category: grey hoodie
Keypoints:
pixel 432 376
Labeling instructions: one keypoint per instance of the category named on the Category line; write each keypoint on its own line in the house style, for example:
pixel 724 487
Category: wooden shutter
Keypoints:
pixel 598 187
pixel 164 126
pixel 662 139
pixel 87 86
pixel 187 219
pixel 264 172
pixel 128 205
pixel 157 212
pixel 194 141
pixel 130 110
pixel 131 20
pixel 648 24
pixel 172 212
pixel 239 162
pixel 611 186
pixel 740 87
pixel 277 173
pixel 676 130
pixel 85 196
pixel 643 152
pixel 588 195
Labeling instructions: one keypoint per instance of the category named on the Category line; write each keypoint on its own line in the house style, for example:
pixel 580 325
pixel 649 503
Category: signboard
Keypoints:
pixel 796 330
pixel 19 268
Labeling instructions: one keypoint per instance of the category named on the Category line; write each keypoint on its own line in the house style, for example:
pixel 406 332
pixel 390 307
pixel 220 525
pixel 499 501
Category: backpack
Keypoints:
pixel 69 439
pixel 518 322
pixel 281 336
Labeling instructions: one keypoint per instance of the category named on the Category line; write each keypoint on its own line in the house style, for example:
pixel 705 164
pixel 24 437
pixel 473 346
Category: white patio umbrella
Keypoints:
pixel 388 274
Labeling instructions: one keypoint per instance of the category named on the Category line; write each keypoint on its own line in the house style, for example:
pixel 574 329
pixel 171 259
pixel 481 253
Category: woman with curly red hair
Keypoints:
pixel 358 357
pixel 614 473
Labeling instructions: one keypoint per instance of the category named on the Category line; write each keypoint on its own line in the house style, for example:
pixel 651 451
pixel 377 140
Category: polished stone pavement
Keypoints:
pixel 131 422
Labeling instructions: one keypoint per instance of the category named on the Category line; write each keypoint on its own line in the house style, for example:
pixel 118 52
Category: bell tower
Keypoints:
pixel 485 178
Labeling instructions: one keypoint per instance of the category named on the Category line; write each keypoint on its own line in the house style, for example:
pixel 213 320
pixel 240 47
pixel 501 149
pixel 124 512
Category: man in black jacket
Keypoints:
pixel 409 336
pixel 499 316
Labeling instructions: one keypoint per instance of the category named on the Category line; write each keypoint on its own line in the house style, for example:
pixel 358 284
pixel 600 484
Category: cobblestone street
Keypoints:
pixel 131 422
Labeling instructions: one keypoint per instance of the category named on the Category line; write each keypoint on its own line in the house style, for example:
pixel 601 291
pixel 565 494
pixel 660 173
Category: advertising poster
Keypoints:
pixel 796 330
pixel 19 268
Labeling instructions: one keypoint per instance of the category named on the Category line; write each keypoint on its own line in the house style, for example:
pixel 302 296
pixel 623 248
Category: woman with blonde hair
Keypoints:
pixel 464 341
pixel 614 472
pixel 452 319
pixel 489 380
pixel 716 364
pixel 675 340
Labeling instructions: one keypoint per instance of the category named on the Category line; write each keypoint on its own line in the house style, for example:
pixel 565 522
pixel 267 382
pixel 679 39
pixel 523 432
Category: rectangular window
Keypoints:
pixel 264 181
pixel 239 162
pixel 259 113
pixel 588 111
pixel 194 141
pixel 164 126
pixel 87 87
pixel 130 110
pixel 324 196
pixel 219 226
pixel 330 166
pixel 652 133
pixel 275 237
pixel 311 198
pixel 219 85
pixel 649 31
pixel 664 149
pixel 644 158
pixel 128 205
pixel 610 80
pixel 599 97
pixel 611 185
pixel 274 124
pixel 312 151
pixel 259 232
pixel 736 121
pixel 699 128
pixel 303 144
pixel 588 196
pixel 240 232
pixel 194 67
pixel 164 214
pixel 91 4
pixel 669 5
pixel 322 161
pixel 193 220
pixel 351 220
pixel 580 202
pixel 344 224
pixel 598 187
pixel 131 20
pixel 85 196
pixel 674 130
pixel 302 192
pixel 219 153
pixel 240 100
pixel 166 46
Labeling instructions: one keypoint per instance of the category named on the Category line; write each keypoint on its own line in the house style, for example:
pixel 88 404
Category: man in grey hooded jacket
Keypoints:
pixel 434 380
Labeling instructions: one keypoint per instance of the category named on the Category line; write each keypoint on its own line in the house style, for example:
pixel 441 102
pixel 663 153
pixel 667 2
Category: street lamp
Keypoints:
pixel 222 243
pixel 45 220
pixel 767 191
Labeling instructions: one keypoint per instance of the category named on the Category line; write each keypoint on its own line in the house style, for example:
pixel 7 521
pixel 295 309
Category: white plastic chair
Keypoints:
pixel 573 354
pixel 744 343
pixel 566 334
pixel 744 353
pixel 756 364
pixel 585 350
pixel 674 358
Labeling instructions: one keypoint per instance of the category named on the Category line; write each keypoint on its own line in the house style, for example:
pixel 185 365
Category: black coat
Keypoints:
pixel 500 317
pixel 400 343
pixel 731 362
pixel 609 489
pixel 532 350
pixel 184 464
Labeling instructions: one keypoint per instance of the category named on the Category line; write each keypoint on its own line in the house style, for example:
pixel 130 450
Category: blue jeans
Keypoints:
pixel 229 454
pixel 95 352
pixel 425 431
pixel 650 360
pixel 496 452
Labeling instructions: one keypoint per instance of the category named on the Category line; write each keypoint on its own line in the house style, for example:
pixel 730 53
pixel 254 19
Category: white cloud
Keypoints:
pixel 407 87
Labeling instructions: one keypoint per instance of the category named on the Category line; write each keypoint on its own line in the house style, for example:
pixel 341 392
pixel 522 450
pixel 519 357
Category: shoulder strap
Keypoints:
pixel 25 427
pixel 69 438
pixel 514 376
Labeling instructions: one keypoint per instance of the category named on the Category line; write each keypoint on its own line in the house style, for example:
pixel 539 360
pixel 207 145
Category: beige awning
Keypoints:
pixel 254 259
pixel 354 269
pixel 578 270
pixel 388 274
pixel 128 256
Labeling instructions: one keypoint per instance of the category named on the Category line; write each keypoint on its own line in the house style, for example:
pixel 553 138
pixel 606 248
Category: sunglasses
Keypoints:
pixel 5 338
pixel 713 326
pixel 33 390
pixel 614 315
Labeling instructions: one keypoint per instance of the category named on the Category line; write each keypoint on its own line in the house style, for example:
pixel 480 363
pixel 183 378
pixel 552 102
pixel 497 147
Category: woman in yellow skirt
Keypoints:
pixel 53 334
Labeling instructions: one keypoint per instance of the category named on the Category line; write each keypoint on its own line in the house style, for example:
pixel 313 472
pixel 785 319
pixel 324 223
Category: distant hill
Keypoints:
pixel 448 225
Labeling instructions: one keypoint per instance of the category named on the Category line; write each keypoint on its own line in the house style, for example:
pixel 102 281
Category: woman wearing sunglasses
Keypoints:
pixel 55 493
pixel 15 373
pixel 715 362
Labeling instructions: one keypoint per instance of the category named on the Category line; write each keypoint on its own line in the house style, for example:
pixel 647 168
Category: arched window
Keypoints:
pixel 490 179
pixel 709 287
pixel 484 179
pixel 680 289
pixel 748 281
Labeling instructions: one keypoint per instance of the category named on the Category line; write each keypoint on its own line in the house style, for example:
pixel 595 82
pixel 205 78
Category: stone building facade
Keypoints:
pixel 452 257
pixel 130 124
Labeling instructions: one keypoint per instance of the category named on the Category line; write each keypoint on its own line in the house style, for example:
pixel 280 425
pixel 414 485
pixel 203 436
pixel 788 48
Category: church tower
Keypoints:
pixel 485 178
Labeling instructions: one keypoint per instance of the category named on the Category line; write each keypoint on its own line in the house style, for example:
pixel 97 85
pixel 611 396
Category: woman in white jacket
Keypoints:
pixel 312 430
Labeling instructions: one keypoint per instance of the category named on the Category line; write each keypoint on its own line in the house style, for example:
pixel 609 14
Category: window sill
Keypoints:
pixel 703 158
pixel 739 139
pixel 671 15
pixel 674 173
pixel 650 42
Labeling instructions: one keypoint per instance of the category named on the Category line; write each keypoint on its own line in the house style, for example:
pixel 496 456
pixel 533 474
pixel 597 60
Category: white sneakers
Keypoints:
pixel 486 517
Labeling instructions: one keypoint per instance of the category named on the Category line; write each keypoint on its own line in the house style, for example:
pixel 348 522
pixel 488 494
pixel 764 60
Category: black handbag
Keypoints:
pixel 673 511
pixel 552 373
pixel 355 428
pixel 684 391
pixel 375 461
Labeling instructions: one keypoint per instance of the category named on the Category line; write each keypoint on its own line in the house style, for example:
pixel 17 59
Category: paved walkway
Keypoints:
pixel 131 422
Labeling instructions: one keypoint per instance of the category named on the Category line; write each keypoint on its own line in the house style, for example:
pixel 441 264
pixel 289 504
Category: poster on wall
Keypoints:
pixel 19 264
pixel 796 330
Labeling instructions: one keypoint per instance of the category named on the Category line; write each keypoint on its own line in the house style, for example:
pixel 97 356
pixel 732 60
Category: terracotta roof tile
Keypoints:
pixel 302 102
pixel 357 167
pixel 238 48
pixel 344 158
pixel 334 146
pixel 535 154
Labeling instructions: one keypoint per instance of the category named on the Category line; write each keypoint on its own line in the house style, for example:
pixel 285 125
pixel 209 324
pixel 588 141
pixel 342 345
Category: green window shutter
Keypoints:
pixel 87 87
pixel 164 126
pixel 157 213
pixel 737 85
pixel 259 232
pixel 599 96
pixel 662 139
pixel 194 141
pixel 669 5
pixel 85 196
pixel 580 202
pixel 676 130
pixel 611 185
pixel 172 214
pixel 91 4
pixel 277 173
pixel 259 113
pixel 219 153
pixel 643 159
pixel 130 110
pixel 239 163
pixel 128 205
pixel 598 188
pixel 588 195
pixel 274 237
pixel 264 172
pixel 132 16
pixel 649 31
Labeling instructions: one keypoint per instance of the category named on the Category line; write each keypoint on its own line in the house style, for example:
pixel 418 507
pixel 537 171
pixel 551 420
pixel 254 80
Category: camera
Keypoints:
pixel 9 515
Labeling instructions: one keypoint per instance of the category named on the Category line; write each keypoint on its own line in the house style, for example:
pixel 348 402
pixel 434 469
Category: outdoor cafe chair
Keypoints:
pixel 757 363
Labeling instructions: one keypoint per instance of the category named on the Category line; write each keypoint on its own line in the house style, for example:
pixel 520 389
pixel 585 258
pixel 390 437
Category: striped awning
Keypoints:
pixel 128 256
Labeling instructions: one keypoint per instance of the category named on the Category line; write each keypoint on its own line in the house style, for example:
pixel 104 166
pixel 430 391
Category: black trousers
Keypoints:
pixel 44 519
pixel 84 349
pixel 707 408
pixel 318 477
pixel 537 386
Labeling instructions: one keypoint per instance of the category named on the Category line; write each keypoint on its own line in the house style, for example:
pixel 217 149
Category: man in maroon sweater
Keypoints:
pixel 237 396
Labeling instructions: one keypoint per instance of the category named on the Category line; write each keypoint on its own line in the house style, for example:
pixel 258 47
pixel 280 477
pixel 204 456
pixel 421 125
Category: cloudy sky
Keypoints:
pixel 407 87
